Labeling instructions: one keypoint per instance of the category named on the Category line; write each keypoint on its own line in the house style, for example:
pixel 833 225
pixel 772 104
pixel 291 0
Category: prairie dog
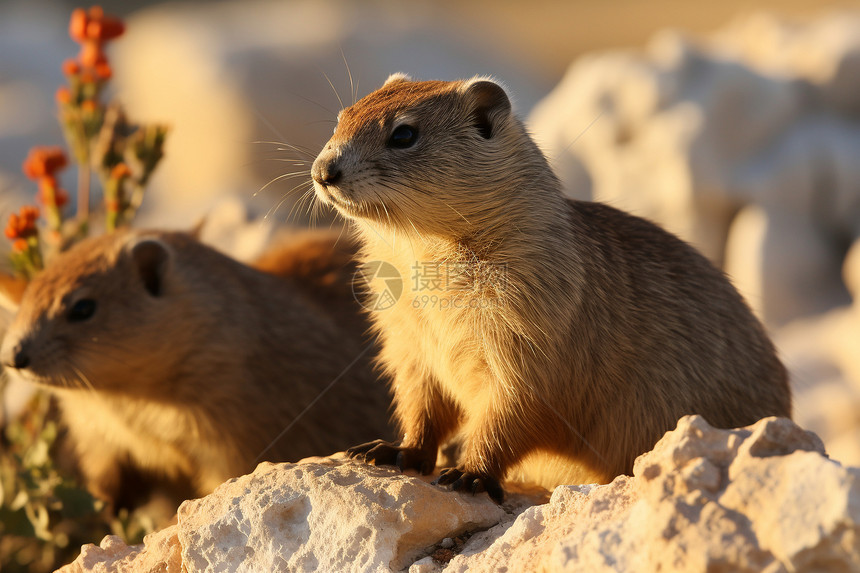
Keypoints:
pixel 171 358
pixel 571 335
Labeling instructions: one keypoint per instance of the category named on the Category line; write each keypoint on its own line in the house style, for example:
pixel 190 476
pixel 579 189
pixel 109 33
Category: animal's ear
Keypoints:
pixel 152 260
pixel 397 77
pixel 489 104
pixel 11 291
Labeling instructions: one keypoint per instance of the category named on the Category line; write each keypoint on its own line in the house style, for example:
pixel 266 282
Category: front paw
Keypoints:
pixel 382 453
pixel 460 480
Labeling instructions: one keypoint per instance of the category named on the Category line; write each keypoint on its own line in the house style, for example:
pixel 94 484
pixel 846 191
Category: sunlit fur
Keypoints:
pixel 196 382
pixel 605 332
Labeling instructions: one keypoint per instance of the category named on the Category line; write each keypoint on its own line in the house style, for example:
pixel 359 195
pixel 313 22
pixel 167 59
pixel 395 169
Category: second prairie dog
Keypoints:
pixel 174 359
pixel 573 335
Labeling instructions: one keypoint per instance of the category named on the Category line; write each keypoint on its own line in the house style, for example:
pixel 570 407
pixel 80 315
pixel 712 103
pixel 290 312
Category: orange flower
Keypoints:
pixel 92 29
pixel 92 54
pixel 63 96
pixel 89 105
pixel 51 195
pixel 78 25
pixel 20 245
pixel 44 161
pixel 103 71
pixel 23 225
pixel 119 171
pixel 106 28
pixel 30 213
pixel 71 67
pixel 62 197
pixel 93 26
pixel 12 228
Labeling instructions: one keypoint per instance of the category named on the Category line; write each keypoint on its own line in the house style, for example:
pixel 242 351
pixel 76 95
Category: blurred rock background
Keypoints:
pixel 734 124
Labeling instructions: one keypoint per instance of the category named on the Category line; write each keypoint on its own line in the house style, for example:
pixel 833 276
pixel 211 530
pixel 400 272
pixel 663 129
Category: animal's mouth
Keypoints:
pixel 45 376
pixel 334 196
pixel 329 194
pixel 31 377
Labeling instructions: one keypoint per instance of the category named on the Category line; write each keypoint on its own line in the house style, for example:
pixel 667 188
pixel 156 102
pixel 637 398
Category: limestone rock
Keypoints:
pixel 330 516
pixel 777 259
pixel 822 354
pixel 761 498
pixel 159 553
pixel 691 133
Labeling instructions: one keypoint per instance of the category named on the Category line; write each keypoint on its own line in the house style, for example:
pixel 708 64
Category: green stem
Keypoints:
pixel 84 176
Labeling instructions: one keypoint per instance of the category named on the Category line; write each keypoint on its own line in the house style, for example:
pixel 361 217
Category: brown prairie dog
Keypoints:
pixel 574 334
pixel 174 359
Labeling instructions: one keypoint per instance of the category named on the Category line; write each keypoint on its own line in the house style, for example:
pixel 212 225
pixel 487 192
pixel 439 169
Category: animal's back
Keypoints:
pixel 658 333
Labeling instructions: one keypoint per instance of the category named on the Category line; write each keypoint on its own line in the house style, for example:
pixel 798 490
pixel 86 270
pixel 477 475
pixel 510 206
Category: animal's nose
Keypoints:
pixel 22 358
pixel 326 171
pixel 15 357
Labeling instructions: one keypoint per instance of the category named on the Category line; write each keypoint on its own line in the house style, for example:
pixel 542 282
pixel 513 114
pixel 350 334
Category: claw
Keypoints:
pixel 474 483
pixel 382 453
pixel 362 451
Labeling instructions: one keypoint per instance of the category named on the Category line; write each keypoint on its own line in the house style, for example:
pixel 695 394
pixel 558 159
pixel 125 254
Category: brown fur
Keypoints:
pixel 604 330
pixel 193 364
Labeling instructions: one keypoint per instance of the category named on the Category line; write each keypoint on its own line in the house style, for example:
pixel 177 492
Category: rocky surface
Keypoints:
pixel 762 498
pixel 322 515
pixel 703 499
pixel 822 354
pixel 160 553
pixel 743 143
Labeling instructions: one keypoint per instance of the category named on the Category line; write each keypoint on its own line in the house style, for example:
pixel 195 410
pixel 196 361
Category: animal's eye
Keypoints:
pixel 403 136
pixel 82 310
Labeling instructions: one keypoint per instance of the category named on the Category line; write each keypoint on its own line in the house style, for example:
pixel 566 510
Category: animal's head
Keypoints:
pixel 83 320
pixel 433 156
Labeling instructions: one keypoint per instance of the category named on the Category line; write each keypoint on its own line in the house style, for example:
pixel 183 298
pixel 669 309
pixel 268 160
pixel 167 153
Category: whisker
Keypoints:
pixel 297 206
pixel 280 177
pixel 340 235
pixel 349 73
pixel 83 378
pixel 296 162
pixel 283 200
pixel 286 146
pixel 337 95
pixel 274 130
pixel 316 103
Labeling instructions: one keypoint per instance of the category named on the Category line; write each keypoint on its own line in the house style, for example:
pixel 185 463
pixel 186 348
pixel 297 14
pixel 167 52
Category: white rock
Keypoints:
pixel 703 499
pixel 783 264
pixel 761 498
pixel 332 516
pixel 690 133
pixel 159 553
